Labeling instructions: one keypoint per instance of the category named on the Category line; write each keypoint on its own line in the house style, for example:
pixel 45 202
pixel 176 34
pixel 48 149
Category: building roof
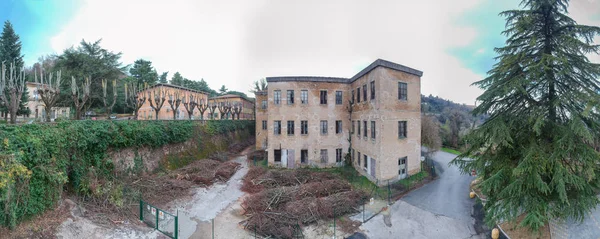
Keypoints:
pixel 231 96
pixel 177 87
pixel 375 64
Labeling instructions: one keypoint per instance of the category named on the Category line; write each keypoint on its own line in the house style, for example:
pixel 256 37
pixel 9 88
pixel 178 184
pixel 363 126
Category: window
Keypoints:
pixel 401 129
pixel 372 90
pixel 304 97
pixel 290 97
pixel 338 97
pixel 290 127
pixel 323 126
pixel 358 158
pixel 277 97
pixel 365 92
pixel 277 127
pixel 358 95
pixel 277 153
pixel 365 160
pixel 323 97
pixel 264 124
pixel 402 166
pixel 402 91
pixel 353 126
pixel 324 158
pixel 365 129
pixel 303 127
pixel 338 126
pixel 338 155
pixel 264 104
pixel 353 158
pixel 372 129
pixel 352 97
pixel 358 123
pixel 304 156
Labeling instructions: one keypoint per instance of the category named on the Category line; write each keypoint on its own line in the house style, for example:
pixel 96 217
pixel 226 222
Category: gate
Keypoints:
pixel 160 220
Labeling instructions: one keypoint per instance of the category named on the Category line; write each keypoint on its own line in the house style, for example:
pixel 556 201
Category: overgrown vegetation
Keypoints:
pixel 38 161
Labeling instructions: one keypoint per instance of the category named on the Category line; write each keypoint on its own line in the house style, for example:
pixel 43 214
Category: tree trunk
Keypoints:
pixel 174 115
pixel 47 108
pixel 156 113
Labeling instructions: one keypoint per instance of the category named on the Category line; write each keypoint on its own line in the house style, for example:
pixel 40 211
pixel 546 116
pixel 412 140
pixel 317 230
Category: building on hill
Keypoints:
pixel 37 107
pixel 146 112
pixel 373 117
pixel 246 103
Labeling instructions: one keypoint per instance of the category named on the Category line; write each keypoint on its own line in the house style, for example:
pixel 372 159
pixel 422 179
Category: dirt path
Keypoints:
pixel 220 202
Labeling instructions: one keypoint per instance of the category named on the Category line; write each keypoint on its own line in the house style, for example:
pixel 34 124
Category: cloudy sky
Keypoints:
pixel 233 43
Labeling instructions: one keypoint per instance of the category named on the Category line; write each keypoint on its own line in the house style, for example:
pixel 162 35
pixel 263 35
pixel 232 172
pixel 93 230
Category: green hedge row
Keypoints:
pixel 38 161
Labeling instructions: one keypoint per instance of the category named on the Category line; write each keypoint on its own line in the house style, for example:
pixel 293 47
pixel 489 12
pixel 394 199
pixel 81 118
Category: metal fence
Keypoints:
pixel 160 220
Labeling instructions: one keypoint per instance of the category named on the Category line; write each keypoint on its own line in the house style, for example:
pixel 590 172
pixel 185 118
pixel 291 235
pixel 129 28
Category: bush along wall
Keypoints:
pixel 39 161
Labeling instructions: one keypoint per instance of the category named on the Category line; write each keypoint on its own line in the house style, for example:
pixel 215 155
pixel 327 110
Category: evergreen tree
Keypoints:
pixel 143 71
pixel 223 90
pixel 163 77
pixel 535 153
pixel 23 110
pixel 177 79
pixel 10 46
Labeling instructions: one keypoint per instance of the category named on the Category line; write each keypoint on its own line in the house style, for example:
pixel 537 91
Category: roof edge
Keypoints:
pixel 386 64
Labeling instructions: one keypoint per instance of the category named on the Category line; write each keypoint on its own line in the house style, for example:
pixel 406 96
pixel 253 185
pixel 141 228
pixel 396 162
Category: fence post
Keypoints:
pixel 213 228
pixel 177 224
pixel 141 210
pixel 156 210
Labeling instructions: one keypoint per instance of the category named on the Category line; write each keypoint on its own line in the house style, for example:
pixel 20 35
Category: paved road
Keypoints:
pixel 588 228
pixel 449 195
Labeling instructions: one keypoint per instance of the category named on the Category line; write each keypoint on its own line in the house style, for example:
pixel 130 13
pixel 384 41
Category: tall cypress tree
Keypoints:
pixel 10 51
pixel 535 153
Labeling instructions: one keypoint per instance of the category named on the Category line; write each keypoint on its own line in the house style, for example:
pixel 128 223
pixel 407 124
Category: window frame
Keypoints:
pixel 264 125
pixel 372 85
pixel 275 155
pixel 359 130
pixel 402 91
pixel 304 127
pixel 304 156
pixel 359 158
pixel 304 97
pixel 324 155
pixel 341 97
pixel 324 125
pixel 264 104
pixel 338 128
pixel 402 129
pixel 277 97
pixel 290 130
pixel 365 129
pixel 277 127
pixel 338 155
pixel 365 92
pixel 365 161
pixel 352 97
pixel 358 95
pixel 323 97
pixel 373 130
pixel 290 97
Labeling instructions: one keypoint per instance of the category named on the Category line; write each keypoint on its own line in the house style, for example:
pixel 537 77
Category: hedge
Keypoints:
pixel 38 161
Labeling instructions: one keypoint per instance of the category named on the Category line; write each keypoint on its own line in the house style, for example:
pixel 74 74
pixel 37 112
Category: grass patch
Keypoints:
pixel 452 151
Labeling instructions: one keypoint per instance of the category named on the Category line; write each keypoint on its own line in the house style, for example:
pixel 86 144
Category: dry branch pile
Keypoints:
pixel 283 199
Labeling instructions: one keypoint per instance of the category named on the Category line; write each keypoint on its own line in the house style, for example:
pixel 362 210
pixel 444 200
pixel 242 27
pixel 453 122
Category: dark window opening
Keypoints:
pixel 338 155
pixel 277 153
pixel 277 127
pixel 264 124
pixel 303 127
pixel 365 92
pixel 372 90
pixel 290 127
pixel 290 97
pixel 372 129
pixel 338 126
pixel 338 97
pixel 402 91
pixel 323 97
pixel 401 129
pixel 303 156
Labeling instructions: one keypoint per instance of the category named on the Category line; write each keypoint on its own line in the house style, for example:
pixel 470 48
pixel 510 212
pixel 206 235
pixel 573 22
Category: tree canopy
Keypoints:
pixel 143 71
pixel 535 153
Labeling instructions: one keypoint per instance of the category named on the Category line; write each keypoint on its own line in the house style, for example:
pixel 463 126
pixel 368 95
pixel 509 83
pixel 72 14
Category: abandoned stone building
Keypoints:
pixel 373 117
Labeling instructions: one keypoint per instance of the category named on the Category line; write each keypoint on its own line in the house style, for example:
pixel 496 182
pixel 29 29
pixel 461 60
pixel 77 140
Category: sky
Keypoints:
pixel 236 42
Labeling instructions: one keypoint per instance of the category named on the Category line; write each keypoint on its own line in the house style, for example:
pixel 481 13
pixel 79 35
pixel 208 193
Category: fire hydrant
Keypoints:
pixel 495 233
pixel 472 195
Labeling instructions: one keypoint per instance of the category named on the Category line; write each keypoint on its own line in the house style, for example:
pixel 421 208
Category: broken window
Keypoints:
pixel 304 97
pixel 290 127
pixel 402 91
pixel 290 97
pixel 324 158
pixel 338 97
pixel 277 153
pixel 277 97
pixel 277 127
pixel 303 156
pixel 323 97
pixel 338 126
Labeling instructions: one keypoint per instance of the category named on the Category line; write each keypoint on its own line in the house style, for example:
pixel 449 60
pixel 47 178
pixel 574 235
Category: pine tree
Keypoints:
pixel 163 77
pixel 223 90
pixel 23 110
pixel 535 153
pixel 177 79
pixel 143 71
pixel 10 46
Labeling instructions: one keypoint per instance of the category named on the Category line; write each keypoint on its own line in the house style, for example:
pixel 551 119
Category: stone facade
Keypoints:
pixel 304 106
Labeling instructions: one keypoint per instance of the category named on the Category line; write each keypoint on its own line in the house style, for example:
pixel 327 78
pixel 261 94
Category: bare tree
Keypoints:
pixel 259 85
pixel 430 134
pixel 108 107
pixel 202 107
pixel 79 98
pixel 48 90
pixel 211 108
pixel 236 110
pixel 190 102
pixel 174 103
pixel 224 109
pixel 11 89
pixel 157 100
pixel 134 99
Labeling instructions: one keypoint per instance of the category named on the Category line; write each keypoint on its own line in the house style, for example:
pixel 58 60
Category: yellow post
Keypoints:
pixel 495 233
pixel 472 194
